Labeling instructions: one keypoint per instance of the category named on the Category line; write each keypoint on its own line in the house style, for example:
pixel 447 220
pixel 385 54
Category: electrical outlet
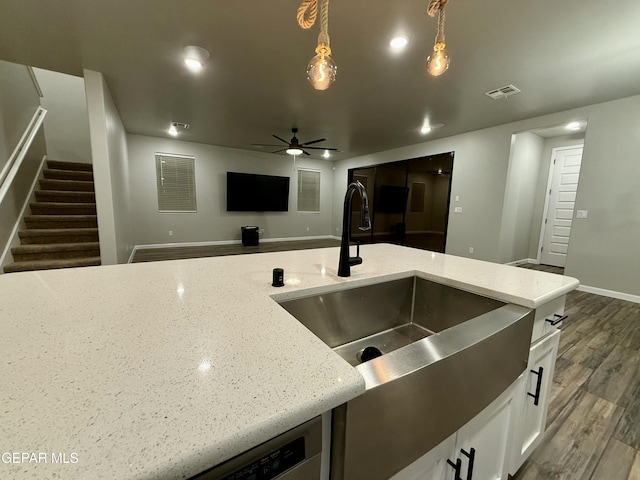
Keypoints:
pixel 457 210
pixel 470 249
pixel 171 233
pixel 582 214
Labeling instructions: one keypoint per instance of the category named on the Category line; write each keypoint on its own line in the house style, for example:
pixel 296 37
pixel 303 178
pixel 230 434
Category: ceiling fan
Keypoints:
pixel 294 147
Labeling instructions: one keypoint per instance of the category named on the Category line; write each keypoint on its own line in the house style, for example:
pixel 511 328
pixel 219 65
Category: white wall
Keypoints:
pixel 212 222
pixel 604 251
pixel 520 195
pixel 110 171
pixel 18 102
pixel 66 126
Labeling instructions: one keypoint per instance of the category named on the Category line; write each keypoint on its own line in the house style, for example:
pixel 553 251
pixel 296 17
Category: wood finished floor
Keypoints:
pixel 177 253
pixel 593 425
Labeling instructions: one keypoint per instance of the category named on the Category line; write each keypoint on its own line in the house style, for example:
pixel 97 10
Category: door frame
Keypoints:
pixel 545 210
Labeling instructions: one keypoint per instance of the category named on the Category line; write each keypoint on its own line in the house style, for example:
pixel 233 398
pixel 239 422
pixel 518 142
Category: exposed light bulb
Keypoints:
pixel 321 71
pixel 426 129
pixel 194 58
pixel 438 61
pixel 173 130
pixel 326 154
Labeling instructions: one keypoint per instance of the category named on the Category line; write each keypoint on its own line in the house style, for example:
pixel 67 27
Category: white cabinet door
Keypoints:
pixel 482 443
pixel 432 464
pixel 532 416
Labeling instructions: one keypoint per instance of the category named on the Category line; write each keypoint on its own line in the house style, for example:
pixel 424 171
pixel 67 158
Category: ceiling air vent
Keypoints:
pixel 502 92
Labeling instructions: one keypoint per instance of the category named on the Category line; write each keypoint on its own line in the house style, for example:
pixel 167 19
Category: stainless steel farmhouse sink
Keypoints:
pixel 432 357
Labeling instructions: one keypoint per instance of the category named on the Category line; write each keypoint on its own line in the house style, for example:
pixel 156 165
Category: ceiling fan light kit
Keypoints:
pixel 294 147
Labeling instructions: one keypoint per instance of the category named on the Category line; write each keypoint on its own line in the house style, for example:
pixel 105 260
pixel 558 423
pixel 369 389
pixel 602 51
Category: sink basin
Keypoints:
pixel 440 356
pixel 385 316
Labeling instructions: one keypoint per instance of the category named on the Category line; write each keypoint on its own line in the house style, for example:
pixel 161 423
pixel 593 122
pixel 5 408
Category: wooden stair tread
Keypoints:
pixel 51 264
pixel 56 174
pixel 61 217
pixel 60 165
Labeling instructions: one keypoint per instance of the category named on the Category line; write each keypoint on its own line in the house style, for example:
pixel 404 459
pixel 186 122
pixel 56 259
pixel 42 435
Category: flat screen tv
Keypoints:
pixel 249 192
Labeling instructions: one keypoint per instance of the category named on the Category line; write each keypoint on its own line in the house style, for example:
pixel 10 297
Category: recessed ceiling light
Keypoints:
pixel 572 126
pixel 398 43
pixel 194 57
pixel 193 64
pixel 427 128
pixel 175 127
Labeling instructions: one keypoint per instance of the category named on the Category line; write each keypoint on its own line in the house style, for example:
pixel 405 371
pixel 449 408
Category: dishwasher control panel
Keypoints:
pixel 292 455
pixel 272 464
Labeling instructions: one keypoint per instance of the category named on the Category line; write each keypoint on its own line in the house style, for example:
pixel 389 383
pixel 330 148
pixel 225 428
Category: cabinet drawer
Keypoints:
pixel 549 311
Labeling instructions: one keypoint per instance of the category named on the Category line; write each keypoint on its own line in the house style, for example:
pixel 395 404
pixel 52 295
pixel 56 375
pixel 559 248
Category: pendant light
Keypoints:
pixel 438 61
pixel 321 70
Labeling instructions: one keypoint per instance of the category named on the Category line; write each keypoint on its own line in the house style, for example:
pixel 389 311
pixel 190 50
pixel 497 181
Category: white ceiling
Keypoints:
pixel 561 54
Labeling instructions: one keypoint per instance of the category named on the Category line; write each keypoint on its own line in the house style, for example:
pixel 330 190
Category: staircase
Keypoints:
pixel 62 229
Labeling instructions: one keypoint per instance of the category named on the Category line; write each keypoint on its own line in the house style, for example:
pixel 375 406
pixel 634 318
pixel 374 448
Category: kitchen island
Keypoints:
pixel 164 369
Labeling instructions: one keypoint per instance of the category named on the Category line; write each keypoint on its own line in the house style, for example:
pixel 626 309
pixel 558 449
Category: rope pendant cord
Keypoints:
pixel 437 7
pixel 307 12
pixel 306 16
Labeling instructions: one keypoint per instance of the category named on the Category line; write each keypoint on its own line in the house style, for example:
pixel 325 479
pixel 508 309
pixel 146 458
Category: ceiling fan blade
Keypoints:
pixel 321 148
pixel 264 145
pixel 281 150
pixel 306 153
pixel 281 139
pixel 314 141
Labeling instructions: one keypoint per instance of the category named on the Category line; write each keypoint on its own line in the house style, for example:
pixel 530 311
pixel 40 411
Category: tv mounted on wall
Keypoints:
pixel 250 192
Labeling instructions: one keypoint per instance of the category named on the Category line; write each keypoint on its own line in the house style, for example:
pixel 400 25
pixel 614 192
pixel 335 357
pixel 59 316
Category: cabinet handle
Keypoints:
pixel 471 455
pixel 536 396
pixel 457 467
pixel 557 318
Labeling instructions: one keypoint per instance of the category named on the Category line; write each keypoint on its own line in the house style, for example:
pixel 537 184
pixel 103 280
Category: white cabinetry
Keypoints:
pixel 475 452
pixel 532 417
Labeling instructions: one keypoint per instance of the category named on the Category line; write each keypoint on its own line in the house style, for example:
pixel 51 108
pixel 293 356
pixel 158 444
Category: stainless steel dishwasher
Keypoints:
pixel 293 455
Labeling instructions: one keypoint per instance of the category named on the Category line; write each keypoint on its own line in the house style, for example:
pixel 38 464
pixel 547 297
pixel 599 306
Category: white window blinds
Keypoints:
pixel 176 181
pixel 308 191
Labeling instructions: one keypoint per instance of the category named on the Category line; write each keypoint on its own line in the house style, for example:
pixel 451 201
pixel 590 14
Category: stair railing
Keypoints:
pixel 12 166
pixel 8 211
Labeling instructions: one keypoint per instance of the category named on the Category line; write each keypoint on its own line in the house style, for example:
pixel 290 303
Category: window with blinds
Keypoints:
pixel 308 191
pixel 176 181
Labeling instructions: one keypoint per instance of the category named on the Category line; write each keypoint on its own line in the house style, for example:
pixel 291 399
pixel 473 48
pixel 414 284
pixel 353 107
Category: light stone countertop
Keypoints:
pixel 164 369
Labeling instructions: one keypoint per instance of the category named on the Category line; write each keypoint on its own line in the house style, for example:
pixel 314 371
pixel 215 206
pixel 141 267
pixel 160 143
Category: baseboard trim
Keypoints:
pixel 610 293
pixel 152 246
pixel 522 261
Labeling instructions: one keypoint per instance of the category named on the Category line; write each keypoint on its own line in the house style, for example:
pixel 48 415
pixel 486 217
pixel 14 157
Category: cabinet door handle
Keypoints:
pixel 557 318
pixel 536 396
pixel 457 467
pixel 471 455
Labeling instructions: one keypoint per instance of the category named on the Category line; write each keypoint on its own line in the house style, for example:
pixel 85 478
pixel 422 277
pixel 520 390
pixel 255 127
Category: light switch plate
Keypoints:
pixel 582 213
pixel 457 210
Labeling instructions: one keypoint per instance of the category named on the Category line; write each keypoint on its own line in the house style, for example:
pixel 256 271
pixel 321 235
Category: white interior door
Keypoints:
pixel 560 204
